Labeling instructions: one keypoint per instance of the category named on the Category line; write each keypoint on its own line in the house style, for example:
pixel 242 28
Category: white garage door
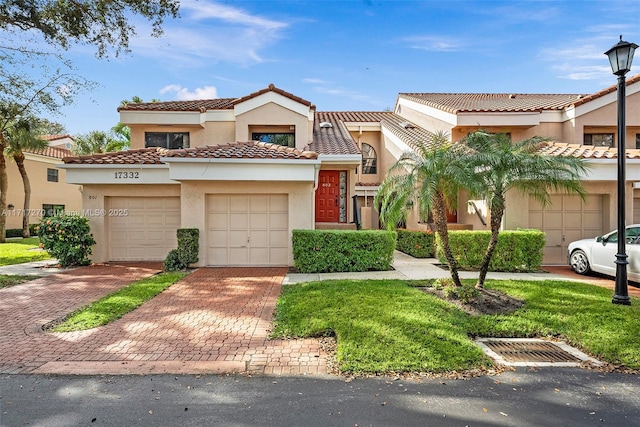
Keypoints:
pixel 248 229
pixel 567 219
pixel 142 228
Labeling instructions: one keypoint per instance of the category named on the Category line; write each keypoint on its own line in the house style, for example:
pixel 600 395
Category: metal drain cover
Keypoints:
pixel 532 352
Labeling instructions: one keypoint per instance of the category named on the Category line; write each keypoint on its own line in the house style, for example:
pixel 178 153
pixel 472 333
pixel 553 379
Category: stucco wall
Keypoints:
pixel 373 139
pixel 272 114
pixel 42 191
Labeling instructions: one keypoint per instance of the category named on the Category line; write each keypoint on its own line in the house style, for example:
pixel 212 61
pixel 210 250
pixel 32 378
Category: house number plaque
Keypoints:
pixel 127 175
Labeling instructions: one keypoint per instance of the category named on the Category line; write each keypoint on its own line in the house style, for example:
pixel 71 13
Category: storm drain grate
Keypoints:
pixel 533 352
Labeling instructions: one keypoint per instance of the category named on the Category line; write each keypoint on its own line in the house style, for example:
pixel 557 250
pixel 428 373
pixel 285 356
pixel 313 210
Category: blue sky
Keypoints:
pixel 358 55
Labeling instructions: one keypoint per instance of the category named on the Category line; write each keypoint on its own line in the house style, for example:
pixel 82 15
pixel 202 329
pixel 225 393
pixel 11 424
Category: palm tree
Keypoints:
pixel 429 177
pixel 97 142
pixel 502 165
pixel 23 135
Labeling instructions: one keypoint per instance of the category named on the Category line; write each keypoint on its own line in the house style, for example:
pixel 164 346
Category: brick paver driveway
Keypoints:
pixel 214 320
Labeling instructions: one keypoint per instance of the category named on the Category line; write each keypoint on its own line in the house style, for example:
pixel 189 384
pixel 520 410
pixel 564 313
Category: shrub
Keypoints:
pixel 516 251
pixel 17 232
pixel 68 238
pixel 325 251
pixel 418 244
pixel 187 252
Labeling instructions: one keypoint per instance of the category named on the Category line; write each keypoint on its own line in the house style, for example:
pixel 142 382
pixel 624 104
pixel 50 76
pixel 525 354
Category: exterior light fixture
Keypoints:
pixel 621 57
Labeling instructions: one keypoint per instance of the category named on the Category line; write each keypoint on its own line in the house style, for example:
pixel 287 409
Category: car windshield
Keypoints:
pixel 631 235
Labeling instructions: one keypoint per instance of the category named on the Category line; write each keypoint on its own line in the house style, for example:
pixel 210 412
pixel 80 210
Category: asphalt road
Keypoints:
pixel 544 397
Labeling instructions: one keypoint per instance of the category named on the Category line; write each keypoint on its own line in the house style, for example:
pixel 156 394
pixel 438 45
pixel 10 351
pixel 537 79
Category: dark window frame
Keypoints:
pixel 169 140
pixel 598 139
pixel 52 175
pixel 286 139
pixel 51 209
pixel 369 160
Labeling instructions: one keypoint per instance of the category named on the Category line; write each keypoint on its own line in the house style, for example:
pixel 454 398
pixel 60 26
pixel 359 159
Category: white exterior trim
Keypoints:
pixel 163 118
pixel 276 98
pixel 607 170
pixel 498 118
pixel 243 170
pixel 362 126
pixel 428 111
pixel 399 146
pixel 108 174
pixel 41 158
pixel 340 158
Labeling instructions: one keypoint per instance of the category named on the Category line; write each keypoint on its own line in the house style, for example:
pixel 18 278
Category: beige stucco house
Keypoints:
pixel 247 171
pixel 50 192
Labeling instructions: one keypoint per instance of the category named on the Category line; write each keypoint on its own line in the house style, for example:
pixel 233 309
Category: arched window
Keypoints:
pixel 369 159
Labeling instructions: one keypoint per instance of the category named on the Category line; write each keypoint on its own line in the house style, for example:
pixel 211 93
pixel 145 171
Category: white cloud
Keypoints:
pixel 184 94
pixel 315 81
pixel 208 33
pixel 433 43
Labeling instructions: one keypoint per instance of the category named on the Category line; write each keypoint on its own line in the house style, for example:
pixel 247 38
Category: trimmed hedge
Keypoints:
pixel 330 251
pixel 516 251
pixel 17 232
pixel 187 252
pixel 418 244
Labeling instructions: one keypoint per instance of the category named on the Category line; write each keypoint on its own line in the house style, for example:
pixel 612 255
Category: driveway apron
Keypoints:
pixel 214 320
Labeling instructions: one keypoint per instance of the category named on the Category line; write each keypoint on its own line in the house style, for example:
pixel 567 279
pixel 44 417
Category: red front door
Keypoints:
pixel 328 197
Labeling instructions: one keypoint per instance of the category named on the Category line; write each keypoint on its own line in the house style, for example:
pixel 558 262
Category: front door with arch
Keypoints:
pixel 328 196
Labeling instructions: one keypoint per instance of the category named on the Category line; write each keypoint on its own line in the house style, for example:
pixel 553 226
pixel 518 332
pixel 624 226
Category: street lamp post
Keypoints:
pixel 621 57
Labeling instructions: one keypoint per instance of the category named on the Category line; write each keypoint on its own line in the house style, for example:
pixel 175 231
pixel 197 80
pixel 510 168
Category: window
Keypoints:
pixel 637 140
pixel 52 210
pixel 369 159
pixel 598 139
pixel 286 139
pixel 168 140
pixel 52 175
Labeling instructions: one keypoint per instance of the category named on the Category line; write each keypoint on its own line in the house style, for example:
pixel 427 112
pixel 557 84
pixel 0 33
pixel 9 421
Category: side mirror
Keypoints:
pixel 599 239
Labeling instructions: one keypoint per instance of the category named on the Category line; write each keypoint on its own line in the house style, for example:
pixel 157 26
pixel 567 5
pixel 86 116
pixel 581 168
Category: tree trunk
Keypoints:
pixel 496 220
pixel 19 158
pixel 3 190
pixel 440 220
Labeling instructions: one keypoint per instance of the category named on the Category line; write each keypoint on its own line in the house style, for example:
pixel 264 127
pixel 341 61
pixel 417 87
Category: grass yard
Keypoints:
pixel 383 326
pixel 7 280
pixel 116 305
pixel 17 251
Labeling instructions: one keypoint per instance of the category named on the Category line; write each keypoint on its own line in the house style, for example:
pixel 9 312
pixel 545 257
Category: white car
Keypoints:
pixel 598 254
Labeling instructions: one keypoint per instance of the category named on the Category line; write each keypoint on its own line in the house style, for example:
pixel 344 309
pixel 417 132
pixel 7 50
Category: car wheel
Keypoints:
pixel 580 262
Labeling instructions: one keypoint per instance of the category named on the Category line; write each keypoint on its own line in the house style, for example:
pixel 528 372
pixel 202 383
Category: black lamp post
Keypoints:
pixel 621 57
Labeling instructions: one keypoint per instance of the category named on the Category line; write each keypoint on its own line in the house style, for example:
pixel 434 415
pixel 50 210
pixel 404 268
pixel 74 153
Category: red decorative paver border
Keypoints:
pixel 214 320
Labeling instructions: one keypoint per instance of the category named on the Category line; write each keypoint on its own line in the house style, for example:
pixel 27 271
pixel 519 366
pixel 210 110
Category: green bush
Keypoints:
pixel 516 251
pixel 187 252
pixel 68 238
pixel 418 244
pixel 13 232
pixel 325 251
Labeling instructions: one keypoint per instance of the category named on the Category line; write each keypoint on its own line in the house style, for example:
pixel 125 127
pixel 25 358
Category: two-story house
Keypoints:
pixel 247 171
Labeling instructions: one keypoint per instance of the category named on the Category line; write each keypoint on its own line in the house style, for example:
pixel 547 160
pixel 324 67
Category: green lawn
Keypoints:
pixel 7 280
pixel 18 250
pixel 117 304
pixel 384 326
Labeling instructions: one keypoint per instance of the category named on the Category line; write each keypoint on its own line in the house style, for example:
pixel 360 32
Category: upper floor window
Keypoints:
pixel 369 159
pixel 52 175
pixel 170 140
pixel 598 139
pixel 637 140
pixel 286 139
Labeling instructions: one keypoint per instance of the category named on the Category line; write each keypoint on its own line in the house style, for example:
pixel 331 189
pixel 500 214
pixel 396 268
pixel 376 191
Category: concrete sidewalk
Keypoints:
pixel 407 267
pixel 35 268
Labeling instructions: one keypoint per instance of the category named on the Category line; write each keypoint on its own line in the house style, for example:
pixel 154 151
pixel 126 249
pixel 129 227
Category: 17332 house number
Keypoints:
pixel 127 175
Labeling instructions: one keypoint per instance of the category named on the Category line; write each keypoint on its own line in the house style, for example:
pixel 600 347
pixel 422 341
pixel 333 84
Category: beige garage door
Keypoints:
pixel 248 229
pixel 147 232
pixel 567 219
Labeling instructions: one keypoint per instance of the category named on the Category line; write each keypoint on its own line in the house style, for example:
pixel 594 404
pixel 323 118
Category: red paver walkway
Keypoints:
pixel 604 281
pixel 214 320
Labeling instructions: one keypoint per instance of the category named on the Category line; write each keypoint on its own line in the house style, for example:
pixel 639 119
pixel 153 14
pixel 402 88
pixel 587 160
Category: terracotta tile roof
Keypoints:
pixel 144 156
pixel 493 102
pixel 54 152
pixel 243 150
pixel 584 151
pixel 334 139
pixel 235 150
pixel 353 116
pixel 272 88
pixel 603 92
pixel 203 105
pixel 50 138
pixel 200 105
pixel 410 133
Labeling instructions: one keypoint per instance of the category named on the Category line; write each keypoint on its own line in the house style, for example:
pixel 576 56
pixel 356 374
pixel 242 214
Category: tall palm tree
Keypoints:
pixel 430 178
pixel 23 135
pixel 502 165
